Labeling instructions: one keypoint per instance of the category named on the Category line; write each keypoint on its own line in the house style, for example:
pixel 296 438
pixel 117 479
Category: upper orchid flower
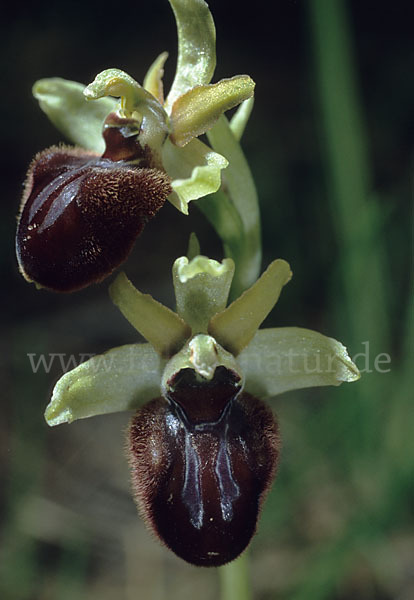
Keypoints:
pixel 83 207
pixel 204 448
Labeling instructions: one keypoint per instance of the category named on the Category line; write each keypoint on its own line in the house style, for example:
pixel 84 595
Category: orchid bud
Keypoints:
pixel 81 213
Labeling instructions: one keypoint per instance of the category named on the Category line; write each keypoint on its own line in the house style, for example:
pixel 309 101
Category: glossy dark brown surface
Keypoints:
pixel 203 403
pixel 200 486
pixel 121 140
pixel 81 213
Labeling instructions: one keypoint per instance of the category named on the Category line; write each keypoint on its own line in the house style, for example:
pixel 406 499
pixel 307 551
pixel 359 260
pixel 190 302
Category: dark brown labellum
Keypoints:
pixel 81 213
pixel 199 473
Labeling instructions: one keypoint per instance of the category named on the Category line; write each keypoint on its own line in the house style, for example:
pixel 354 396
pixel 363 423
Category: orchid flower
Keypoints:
pixel 202 445
pixel 83 207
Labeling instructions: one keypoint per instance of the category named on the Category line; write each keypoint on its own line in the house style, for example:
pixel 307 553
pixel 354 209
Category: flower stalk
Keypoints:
pixel 238 185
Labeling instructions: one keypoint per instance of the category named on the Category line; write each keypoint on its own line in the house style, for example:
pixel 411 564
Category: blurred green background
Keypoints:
pixel 330 146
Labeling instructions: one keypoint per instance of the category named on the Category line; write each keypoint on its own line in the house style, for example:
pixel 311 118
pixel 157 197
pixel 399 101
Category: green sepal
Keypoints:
pixel 196 47
pixel 196 111
pixel 123 378
pixel 290 358
pixel 195 171
pixel 79 121
pixel 236 326
pixel 162 327
pixel 202 288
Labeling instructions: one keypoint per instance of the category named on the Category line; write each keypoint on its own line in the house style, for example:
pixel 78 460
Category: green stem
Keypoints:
pixel 363 313
pixel 223 216
pixel 362 309
pixel 234 580
pixel 355 210
pixel 234 211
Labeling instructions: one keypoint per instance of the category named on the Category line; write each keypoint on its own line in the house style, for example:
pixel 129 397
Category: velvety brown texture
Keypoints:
pixel 200 486
pixel 80 213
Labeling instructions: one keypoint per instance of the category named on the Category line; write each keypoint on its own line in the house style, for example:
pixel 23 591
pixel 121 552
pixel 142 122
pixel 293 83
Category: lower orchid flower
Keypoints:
pixel 203 447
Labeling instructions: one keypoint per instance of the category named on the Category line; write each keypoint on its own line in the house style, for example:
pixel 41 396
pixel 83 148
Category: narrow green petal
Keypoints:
pixel 80 122
pixel 162 327
pixel 121 379
pixel 291 358
pixel 241 117
pixel 153 79
pixel 195 171
pixel 201 289
pixel 235 327
pixel 196 47
pixel 198 109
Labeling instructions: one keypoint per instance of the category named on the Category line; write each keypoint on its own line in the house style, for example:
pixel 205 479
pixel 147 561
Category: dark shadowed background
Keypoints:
pixel 338 523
